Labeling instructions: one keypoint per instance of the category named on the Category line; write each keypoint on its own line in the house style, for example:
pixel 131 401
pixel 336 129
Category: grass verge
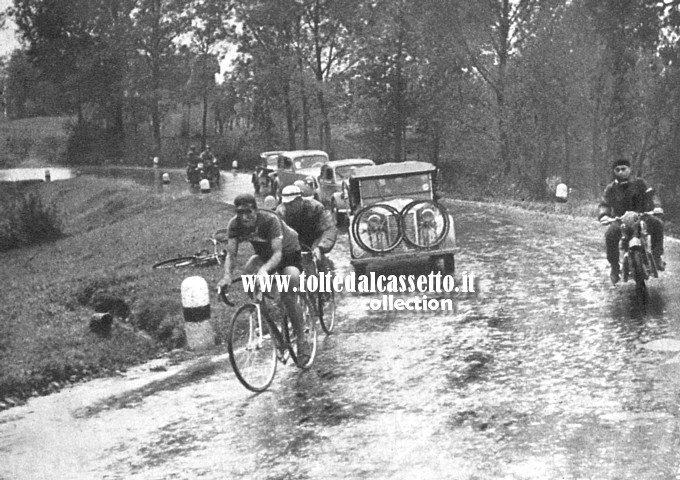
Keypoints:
pixel 114 232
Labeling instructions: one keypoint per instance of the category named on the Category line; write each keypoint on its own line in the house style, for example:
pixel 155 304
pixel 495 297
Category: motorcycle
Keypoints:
pixel 198 172
pixel 635 254
pixel 213 173
pixel 195 173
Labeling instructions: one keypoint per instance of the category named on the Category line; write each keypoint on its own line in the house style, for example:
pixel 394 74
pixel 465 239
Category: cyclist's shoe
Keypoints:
pixel 660 264
pixel 615 274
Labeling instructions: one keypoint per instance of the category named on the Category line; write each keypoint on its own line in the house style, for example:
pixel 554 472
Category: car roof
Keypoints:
pixel 303 153
pixel 271 153
pixel 393 169
pixel 350 161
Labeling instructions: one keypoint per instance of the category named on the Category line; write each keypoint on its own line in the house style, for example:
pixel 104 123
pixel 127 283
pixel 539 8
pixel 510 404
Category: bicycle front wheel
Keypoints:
pixel 178 262
pixel 326 306
pixel 252 350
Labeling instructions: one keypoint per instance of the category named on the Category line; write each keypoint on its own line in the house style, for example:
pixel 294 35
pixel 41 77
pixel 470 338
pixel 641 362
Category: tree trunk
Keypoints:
pixel 325 127
pixel 305 108
pixel 290 116
pixel 503 52
pixel 204 125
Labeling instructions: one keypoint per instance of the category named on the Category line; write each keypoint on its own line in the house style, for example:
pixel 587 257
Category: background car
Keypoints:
pixel 395 218
pixel 265 171
pixel 333 184
pixel 298 165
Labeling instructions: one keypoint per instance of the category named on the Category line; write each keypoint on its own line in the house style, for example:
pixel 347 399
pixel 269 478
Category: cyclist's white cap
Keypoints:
pixel 290 193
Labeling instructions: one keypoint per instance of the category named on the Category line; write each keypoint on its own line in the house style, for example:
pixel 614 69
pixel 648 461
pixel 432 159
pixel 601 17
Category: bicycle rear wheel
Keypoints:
pixel 178 262
pixel 326 306
pixel 252 350
pixel 309 329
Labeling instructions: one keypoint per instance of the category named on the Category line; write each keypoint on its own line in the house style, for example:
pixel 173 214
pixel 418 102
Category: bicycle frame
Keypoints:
pixel 257 299
pixel 202 258
pixel 253 333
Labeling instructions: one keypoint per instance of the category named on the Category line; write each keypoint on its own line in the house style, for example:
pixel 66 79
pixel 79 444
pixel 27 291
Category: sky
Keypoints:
pixel 8 41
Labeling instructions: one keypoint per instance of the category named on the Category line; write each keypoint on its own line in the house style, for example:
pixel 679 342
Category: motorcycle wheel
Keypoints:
pixel 637 268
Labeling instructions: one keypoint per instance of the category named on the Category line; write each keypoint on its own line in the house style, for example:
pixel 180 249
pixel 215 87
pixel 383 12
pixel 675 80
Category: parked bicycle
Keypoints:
pixel 322 302
pixel 204 258
pixel 256 343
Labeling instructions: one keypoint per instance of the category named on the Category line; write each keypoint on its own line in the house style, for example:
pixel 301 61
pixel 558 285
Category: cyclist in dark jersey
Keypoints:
pixel 276 247
pixel 310 219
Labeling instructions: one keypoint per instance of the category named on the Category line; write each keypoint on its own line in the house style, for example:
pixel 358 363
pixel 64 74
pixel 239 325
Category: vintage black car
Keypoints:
pixel 334 183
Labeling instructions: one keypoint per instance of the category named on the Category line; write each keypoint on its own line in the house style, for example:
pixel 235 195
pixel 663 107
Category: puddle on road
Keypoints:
pixel 543 375
pixel 547 372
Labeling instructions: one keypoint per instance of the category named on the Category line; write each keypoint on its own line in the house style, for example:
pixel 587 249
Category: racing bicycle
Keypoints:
pixel 256 343
pixel 204 258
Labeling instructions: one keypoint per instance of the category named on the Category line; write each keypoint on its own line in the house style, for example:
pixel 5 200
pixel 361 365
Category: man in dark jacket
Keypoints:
pixel 310 219
pixel 628 193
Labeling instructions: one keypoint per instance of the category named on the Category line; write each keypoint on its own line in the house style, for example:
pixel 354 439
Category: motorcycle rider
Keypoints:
pixel 192 163
pixel 629 193
pixel 210 164
pixel 310 219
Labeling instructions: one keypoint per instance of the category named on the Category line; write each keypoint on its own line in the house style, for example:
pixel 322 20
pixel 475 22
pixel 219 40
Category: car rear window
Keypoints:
pixel 414 186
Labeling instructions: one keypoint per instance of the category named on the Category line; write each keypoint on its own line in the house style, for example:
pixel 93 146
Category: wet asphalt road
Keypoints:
pixel 546 372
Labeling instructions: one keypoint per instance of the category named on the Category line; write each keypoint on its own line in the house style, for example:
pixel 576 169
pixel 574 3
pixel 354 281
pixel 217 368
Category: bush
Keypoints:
pixel 28 222
pixel 90 144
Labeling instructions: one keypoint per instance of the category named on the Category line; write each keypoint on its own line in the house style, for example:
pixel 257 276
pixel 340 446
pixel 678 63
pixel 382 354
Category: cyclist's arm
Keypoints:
pixel 328 232
pixel 277 253
pixel 230 261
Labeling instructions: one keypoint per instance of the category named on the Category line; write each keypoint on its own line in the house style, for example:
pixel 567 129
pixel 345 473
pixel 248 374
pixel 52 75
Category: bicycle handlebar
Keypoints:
pixel 223 293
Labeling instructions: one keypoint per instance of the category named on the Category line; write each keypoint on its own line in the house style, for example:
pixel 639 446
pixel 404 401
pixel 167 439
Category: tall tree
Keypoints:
pixel 19 85
pixel 157 27
pixel 324 44
pixel 490 33
pixel 209 27
pixel 626 27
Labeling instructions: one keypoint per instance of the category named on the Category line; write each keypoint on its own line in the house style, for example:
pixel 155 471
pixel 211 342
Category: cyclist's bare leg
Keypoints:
pixel 289 299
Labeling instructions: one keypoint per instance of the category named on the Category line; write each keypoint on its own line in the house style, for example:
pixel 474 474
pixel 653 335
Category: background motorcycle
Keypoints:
pixel 635 256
